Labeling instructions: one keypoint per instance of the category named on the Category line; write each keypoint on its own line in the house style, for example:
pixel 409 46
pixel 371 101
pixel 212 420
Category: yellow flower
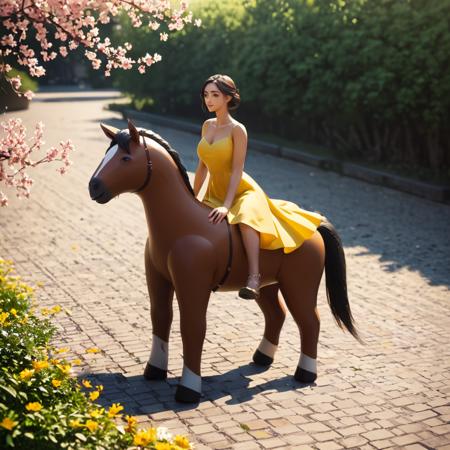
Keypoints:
pixel 75 423
pixel 163 446
pixel 96 413
pixel 8 424
pixel 91 425
pixel 76 362
pixel 181 441
pixel 33 406
pixel 87 384
pixel 39 365
pixel 131 421
pixel 45 311
pixel 65 368
pixel 94 395
pixel 3 317
pixel 26 374
pixel 114 410
pixel 56 383
pixel 99 387
pixel 144 437
pixel 56 309
pixel 62 350
pixel 13 311
pixel 93 350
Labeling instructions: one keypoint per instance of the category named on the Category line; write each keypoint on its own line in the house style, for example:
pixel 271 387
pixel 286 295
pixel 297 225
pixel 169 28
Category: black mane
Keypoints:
pixel 122 139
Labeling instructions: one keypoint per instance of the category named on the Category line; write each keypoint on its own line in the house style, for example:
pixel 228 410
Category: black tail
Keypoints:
pixel 336 278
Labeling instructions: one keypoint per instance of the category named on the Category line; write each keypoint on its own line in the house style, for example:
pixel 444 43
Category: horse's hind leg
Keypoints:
pixel 161 296
pixel 274 312
pixel 299 278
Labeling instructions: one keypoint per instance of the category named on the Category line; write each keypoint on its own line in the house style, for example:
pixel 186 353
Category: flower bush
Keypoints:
pixel 41 405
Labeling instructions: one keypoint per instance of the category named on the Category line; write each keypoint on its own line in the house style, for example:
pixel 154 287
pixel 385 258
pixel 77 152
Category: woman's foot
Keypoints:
pixel 251 290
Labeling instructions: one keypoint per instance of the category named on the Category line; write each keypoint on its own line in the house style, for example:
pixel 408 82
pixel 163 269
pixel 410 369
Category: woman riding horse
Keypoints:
pixel 187 254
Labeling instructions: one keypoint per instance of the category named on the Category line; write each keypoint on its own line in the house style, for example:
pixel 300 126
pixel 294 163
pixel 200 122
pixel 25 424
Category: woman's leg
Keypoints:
pixel 250 238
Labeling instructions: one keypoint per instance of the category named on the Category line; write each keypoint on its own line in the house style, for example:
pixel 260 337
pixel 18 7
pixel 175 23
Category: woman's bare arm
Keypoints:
pixel 200 176
pixel 239 152
pixel 202 171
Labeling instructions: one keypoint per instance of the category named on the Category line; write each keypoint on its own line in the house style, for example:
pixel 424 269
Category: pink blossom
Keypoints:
pixel 126 64
pixel 15 156
pixel 8 40
pixel 153 25
pixel 163 36
pixel 52 154
pixel 3 199
pixel 29 95
pixel 141 69
pixel 148 59
pixel 15 83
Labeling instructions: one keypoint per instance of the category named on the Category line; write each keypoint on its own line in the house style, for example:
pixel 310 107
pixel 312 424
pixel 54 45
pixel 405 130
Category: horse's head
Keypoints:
pixel 126 166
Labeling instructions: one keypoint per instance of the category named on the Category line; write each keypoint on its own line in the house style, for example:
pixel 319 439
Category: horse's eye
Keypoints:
pixel 126 158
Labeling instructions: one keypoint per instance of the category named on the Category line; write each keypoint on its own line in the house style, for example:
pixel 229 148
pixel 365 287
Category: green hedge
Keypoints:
pixel 369 79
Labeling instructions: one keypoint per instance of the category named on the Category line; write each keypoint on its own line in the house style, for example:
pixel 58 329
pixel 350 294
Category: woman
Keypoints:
pixel 263 222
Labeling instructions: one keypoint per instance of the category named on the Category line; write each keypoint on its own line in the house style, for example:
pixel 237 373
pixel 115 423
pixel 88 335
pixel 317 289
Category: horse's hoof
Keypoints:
pixel 261 359
pixel 154 373
pixel 304 376
pixel 186 395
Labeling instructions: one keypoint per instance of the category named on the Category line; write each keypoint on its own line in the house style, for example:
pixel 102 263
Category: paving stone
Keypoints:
pixel 381 444
pixel 353 441
pixel 328 446
pixel 378 434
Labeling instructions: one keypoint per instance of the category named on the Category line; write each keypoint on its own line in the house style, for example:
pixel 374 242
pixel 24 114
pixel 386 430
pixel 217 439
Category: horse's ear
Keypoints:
pixel 134 133
pixel 109 131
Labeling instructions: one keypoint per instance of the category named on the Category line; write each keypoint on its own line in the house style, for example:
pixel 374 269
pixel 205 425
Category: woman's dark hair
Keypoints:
pixel 225 85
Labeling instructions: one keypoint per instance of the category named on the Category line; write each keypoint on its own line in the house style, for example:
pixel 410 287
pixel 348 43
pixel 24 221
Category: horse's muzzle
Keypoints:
pixel 98 191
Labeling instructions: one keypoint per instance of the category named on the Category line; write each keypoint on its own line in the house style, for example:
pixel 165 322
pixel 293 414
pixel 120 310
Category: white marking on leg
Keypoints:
pixel 307 363
pixel 110 155
pixel 267 347
pixel 159 356
pixel 191 380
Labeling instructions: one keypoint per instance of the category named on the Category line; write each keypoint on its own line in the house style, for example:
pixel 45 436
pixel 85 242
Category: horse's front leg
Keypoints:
pixel 192 265
pixel 161 296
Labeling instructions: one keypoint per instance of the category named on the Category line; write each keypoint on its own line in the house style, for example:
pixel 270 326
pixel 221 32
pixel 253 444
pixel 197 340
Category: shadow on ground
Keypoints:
pixel 142 396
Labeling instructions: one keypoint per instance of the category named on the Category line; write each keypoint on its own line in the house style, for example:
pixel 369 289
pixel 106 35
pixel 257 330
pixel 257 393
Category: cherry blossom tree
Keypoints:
pixel 61 26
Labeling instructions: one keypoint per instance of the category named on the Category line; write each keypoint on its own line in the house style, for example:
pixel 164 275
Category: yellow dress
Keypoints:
pixel 281 224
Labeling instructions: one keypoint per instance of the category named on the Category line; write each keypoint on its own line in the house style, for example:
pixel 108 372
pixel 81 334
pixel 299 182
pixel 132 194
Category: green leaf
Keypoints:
pixel 9 440
pixel 81 437
pixel 9 389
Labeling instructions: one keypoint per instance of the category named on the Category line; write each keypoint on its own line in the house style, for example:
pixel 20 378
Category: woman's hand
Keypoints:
pixel 218 214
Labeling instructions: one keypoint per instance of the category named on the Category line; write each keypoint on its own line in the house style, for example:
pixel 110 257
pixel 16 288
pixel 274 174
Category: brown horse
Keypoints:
pixel 187 254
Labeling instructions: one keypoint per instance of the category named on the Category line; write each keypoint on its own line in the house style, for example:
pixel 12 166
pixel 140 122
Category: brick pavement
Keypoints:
pixel 391 393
